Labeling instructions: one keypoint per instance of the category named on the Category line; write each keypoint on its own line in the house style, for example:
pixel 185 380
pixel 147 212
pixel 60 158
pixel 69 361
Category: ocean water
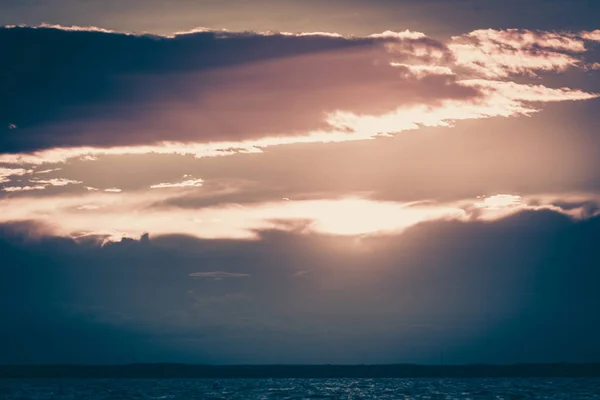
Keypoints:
pixel 122 389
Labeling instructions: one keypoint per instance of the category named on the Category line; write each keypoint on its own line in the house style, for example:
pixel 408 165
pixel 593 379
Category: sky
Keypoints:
pixel 299 182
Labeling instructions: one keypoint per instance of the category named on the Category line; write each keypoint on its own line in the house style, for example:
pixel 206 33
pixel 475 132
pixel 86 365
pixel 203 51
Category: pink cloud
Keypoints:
pixel 343 89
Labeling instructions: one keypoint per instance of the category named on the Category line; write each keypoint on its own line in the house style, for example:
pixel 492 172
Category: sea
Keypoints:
pixel 471 388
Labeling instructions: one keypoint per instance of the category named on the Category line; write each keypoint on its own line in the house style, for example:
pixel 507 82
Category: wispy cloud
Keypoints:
pixel 5 173
pixel 183 184
pixel 47 171
pixel 89 207
pixel 500 201
pixel 500 53
pixel 56 181
pixel 23 188
pixel 71 28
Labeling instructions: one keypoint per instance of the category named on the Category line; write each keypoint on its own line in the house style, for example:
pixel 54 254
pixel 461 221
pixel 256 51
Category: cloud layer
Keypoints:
pixel 215 93
pixel 526 283
pixel 478 240
pixel 112 215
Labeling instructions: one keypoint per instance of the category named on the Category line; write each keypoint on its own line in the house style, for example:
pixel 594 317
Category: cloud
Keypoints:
pixel 209 71
pixel 343 250
pixel 23 188
pixel 218 275
pixel 535 269
pixel 500 201
pixel 129 214
pixel 89 207
pixel 47 171
pixel 424 70
pixel 183 184
pixel 500 53
pixel 6 173
pixel 592 35
pixel 211 94
pixel 518 93
pixel 75 28
pixel 56 181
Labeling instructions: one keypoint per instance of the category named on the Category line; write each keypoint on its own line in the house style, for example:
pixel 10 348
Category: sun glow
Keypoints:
pixel 115 215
